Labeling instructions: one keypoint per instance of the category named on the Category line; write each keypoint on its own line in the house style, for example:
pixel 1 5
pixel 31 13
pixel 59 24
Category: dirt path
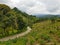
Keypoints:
pixel 17 35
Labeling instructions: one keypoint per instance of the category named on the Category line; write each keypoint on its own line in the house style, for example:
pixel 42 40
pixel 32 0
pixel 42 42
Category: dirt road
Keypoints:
pixel 17 35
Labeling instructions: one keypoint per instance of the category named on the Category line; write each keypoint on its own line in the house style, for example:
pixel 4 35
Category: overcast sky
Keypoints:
pixel 35 6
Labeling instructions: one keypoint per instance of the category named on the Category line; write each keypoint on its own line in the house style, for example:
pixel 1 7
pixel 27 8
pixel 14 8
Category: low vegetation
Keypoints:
pixel 43 33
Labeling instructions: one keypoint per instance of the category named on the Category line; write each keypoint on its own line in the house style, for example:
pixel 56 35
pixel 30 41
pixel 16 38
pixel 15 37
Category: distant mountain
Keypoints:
pixel 46 15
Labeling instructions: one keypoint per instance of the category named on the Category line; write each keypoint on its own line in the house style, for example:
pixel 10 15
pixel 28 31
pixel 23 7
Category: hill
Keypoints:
pixel 13 21
pixel 46 15
pixel 45 29
pixel 43 33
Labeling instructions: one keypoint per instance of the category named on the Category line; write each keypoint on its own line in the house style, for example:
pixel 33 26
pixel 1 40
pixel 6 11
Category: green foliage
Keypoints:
pixel 4 9
pixel 45 37
pixel 49 35
pixel 8 43
pixel 14 40
pixel 42 42
pixel 13 19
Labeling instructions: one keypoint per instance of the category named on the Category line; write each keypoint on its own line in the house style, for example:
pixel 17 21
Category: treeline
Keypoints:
pixel 52 18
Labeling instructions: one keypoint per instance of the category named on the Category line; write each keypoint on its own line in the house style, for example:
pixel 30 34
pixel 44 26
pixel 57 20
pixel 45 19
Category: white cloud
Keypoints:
pixel 35 6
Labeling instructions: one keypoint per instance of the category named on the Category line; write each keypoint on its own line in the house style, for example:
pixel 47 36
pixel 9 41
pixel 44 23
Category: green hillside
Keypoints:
pixel 28 19
pixel 43 33
pixel 13 21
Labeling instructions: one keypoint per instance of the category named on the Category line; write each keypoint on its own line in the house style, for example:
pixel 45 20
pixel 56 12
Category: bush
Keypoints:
pixel 42 42
pixel 51 32
pixel 54 43
pixel 8 43
pixel 45 37
pixel 14 40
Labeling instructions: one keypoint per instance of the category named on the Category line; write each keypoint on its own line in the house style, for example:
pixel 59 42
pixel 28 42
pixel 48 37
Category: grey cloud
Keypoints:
pixel 52 5
pixel 35 6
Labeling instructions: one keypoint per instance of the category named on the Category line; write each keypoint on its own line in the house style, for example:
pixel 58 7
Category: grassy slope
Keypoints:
pixel 42 33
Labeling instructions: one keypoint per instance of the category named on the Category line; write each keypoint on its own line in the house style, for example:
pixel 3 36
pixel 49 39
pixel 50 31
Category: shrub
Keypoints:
pixel 8 43
pixel 42 42
pixel 45 37
pixel 58 28
pixel 51 32
pixel 14 40
pixel 54 43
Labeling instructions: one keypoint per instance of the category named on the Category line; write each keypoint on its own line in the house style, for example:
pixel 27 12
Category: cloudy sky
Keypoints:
pixel 35 6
